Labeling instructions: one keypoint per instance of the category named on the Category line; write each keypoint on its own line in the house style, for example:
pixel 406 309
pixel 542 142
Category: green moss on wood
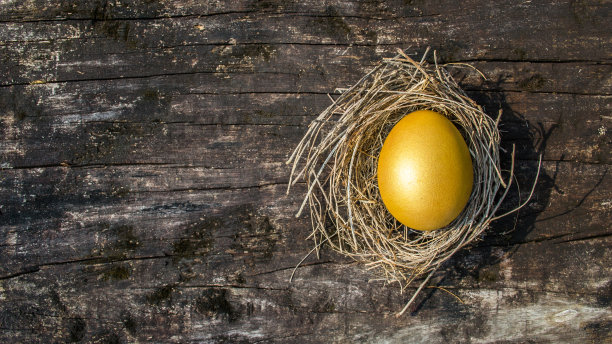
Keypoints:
pixel 160 295
pixel 198 241
pixel 489 275
pixel 520 53
pixel 213 303
pixel 150 94
pixel 116 272
pixel 533 83
pixel 130 324
pixel 332 23
pixel 76 329
pixel 124 244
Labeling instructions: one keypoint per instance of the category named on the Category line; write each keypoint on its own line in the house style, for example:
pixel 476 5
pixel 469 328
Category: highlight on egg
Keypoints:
pixel 425 173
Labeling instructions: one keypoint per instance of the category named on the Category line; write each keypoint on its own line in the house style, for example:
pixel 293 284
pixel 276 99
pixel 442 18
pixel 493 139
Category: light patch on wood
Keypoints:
pixel 8 119
pixel 251 334
pixel 506 270
pixel 11 238
pixel 487 298
pixel 108 60
pixel 11 148
pixel 565 316
pixel 261 305
pixel 52 87
pixel 543 320
pixel 96 116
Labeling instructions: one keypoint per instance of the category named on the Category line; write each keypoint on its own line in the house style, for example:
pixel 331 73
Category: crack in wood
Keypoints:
pixel 266 14
pixel 89 260
pixel 296 267
pixel 88 19
pixel 589 237
pixel 232 286
pixel 179 166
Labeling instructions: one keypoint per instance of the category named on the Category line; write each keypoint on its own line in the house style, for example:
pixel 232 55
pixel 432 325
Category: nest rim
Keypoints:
pixel 337 158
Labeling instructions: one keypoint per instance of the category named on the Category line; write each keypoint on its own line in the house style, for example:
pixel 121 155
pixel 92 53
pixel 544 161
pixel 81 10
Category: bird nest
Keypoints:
pixel 338 155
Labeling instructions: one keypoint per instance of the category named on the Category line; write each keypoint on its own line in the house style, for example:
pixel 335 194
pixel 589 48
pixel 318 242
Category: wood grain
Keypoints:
pixel 142 180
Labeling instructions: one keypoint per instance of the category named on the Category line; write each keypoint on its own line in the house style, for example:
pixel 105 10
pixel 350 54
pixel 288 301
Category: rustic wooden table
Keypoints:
pixel 143 176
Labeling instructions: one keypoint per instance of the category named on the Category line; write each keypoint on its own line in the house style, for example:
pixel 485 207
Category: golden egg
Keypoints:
pixel 425 171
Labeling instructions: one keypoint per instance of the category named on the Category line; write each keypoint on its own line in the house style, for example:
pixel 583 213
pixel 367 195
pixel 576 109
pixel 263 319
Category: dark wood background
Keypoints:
pixel 142 180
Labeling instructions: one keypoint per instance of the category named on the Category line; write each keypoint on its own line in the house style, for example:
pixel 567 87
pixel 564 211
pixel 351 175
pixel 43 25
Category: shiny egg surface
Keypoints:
pixel 424 171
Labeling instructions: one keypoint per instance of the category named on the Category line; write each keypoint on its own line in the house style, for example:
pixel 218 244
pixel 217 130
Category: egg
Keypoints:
pixel 425 174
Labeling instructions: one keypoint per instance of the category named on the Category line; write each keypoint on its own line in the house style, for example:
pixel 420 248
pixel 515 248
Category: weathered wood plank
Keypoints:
pixel 120 128
pixel 146 193
pixel 239 310
pixel 567 27
pixel 95 58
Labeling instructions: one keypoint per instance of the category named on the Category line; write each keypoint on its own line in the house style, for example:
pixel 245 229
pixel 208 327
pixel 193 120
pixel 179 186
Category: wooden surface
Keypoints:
pixel 143 180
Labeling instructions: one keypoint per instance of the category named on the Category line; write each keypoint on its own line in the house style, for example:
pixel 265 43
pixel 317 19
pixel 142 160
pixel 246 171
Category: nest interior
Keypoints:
pixel 337 158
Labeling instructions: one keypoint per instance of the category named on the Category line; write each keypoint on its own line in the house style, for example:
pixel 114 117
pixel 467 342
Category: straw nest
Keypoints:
pixel 337 158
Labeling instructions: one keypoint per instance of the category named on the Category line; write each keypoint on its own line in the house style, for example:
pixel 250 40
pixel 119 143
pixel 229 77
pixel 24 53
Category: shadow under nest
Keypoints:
pixel 505 235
